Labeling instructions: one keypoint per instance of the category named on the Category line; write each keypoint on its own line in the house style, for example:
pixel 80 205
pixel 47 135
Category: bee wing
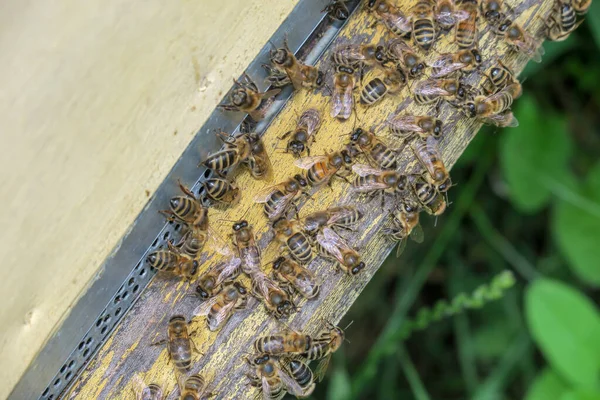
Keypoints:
pixel 140 388
pixel 461 15
pixel 221 316
pixel 308 162
pixel 397 47
pixel 313 121
pixel 417 234
pixel 204 308
pixel 400 248
pixel 352 52
pixel 217 243
pixel 322 367
pixel 430 87
pixel 266 388
pixel 505 120
pixel 405 123
pixel 330 247
pixel 281 206
pixel 305 281
pixel 336 102
pixel 290 384
pixel 339 213
pixel 263 195
pixel 442 68
pixel 229 269
pixel 262 283
pixel 364 170
pixel 396 20
pixel 528 46
pixel 347 102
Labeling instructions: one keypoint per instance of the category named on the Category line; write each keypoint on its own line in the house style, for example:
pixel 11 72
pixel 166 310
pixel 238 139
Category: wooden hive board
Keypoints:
pixel 128 351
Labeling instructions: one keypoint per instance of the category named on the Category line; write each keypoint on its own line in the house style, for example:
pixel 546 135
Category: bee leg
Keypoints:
pixel 250 82
pixel 159 343
pixel 170 215
pixel 228 107
pixel 185 190
pixel 284 135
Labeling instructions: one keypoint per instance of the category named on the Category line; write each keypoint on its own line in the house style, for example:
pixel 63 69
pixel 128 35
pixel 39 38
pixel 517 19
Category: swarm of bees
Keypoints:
pixel 406 61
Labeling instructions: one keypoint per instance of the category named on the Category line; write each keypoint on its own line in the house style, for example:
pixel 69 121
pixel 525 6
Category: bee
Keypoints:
pixel 433 90
pixel 320 169
pixel 303 378
pixel 423 24
pixel 284 343
pixel 179 344
pixel 406 126
pixel 359 55
pixel 173 260
pixel 277 199
pixel 492 11
pixel 581 6
pixel 373 180
pixel 248 251
pixel 301 279
pixel 276 300
pixel 304 134
pixel 344 217
pixel 327 342
pixel 518 39
pixel 236 150
pixel 220 308
pixel 405 224
pixel 342 100
pixel 221 190
pixel 210 282
pixel 331 245
pixel 337 9
pixel 377 152
pixel 466 29
pixel 466 60
pixel 428 154
pixel 399 51
pixel 293 239
pixel 298 74
pixel 446 14
pixel 427 195
pixel 258 161
pixel 193 388
pixel 147 392
pixel 377 88
pixel 391 17
pixel 562 21
pixel 505 119
pixel 498 76
pixel 484 107
pixel 246 97
pixel 275 379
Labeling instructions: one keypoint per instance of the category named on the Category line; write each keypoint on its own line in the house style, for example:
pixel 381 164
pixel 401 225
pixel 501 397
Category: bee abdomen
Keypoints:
pixel 269 345
pixel 217 188
pixel 272 202
pixel 373 91
pixel 221 160
pixel 424 33
pixel 300 248
pixel 568 18
pixel 301 373
pixel 163 260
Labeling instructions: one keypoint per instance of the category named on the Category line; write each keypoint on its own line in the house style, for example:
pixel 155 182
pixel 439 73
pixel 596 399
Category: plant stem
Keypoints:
pixel 412 376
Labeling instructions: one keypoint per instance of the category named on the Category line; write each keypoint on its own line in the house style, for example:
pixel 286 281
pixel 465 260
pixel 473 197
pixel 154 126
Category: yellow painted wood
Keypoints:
pixel 98 99
pixel 129 351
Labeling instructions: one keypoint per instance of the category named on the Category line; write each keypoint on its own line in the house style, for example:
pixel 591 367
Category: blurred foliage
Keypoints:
pixel 527 201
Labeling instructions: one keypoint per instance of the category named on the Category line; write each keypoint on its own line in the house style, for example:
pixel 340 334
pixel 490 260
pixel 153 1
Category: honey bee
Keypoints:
pixel 343 217
pixel 210 282
pixel 248 251
pixel 220 308
pixel 399 51
pixel 147 392
pixel 446 14
pixel 518 39
pixel 193 388
pixel 320 169
pixel 258 161
pixel 466 29
pixel 276 300
pixel 359 55
pixel 391 17
pixel 285 343
pixel 237 150
pixel 406 126
pixel 428 154
pixel 275 379
pixel 498 76
pixel 286 271
pixel 581 6
pixel 331 245
pixel 562 21
pixel 423 24
pixel 492 11
pixel 377 152
pixel 484 107
pixel 405 224
pixel 277 199
pixel 293 239
pixel 376 89
pixel 246 97
pixel 337 9
pixel 298 74
pixel 174 261
pixel 427 195
pixel 373 180
pixel 304 133
pixel 179 344
pixel 302 376
pixel 221 190
pixel 327 342
pixel 342 100
pixel 433 90
pixel 466 60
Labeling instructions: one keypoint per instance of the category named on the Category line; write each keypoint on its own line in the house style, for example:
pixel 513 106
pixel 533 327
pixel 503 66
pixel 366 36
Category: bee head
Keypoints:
pixel 301 180
pixel 471 110
pixel 356 134
pixel 320 79
pixel 357 268
pixel 437 129
pixel 238 226
pixel 277 263
pixel 239 97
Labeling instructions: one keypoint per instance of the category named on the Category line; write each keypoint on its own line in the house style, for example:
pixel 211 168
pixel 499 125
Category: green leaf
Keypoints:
pixel 576 227
pixel 539 146
pixel 565 324
pixel 581 394
pixel 548 385
pixel 593 20
pixel 339 385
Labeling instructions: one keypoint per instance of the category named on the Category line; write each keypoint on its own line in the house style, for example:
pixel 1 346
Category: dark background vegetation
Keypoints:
pixel 528 202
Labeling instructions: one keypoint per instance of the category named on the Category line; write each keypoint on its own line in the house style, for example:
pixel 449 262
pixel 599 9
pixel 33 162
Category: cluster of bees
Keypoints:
pixel 280 364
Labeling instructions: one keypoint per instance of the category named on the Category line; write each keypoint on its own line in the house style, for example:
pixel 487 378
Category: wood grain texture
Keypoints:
pixel 129 352
pixel 98 100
